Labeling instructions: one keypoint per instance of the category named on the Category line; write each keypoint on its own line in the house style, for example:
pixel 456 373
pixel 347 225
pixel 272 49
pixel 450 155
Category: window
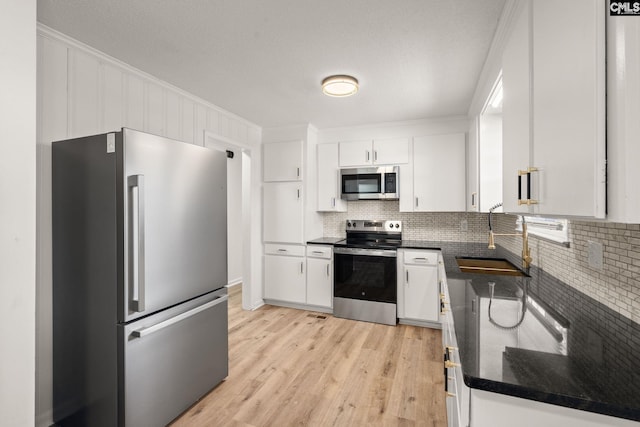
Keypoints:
pixel 553 229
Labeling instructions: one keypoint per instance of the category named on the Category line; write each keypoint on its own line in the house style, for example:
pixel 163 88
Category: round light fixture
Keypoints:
pixel 339 86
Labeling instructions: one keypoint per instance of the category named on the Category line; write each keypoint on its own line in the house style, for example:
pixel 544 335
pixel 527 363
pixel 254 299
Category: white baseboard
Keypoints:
pixel 234 282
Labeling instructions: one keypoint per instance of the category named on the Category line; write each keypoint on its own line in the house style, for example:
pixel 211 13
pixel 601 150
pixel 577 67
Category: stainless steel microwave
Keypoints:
pixel 374 183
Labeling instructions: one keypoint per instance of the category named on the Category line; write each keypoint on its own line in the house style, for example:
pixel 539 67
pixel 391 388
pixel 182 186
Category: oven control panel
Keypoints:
pixel 374 225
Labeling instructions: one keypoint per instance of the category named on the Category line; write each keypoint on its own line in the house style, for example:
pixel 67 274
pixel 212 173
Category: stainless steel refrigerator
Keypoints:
pixel 139 269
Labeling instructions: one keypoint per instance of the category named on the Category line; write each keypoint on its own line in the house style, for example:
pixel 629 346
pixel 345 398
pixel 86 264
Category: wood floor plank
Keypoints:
pixel 299 368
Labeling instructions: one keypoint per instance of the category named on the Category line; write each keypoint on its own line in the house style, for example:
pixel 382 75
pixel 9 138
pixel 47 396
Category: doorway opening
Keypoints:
pixel 238 212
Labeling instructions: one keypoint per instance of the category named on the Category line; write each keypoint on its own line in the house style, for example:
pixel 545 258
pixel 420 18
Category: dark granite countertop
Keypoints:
pixel 563 348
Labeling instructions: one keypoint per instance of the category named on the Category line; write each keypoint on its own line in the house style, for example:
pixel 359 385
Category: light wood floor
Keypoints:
pixel 299 368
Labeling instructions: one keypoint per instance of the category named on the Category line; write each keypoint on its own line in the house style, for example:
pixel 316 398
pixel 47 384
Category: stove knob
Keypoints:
pixel 397 225
pixel 348 224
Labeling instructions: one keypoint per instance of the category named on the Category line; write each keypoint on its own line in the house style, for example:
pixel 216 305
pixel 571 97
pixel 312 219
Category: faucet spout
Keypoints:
pixel 526 252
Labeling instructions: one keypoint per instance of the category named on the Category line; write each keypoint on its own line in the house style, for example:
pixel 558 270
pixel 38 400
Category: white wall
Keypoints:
pixel 17 211
pixel 82 91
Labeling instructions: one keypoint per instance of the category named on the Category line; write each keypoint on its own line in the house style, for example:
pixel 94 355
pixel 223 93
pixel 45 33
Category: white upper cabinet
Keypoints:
pixel 283 212
pixel 283 161
pixel 392 151
pixel 328 180
pixel 623 125
pixel 554 110
pixel 439 174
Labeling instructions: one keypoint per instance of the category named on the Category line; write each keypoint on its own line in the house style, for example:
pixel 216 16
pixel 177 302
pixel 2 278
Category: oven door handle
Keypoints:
pixel 390 253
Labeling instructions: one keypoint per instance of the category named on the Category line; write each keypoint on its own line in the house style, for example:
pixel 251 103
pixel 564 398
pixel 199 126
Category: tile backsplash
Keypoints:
pixel 616 285
pixel 445 226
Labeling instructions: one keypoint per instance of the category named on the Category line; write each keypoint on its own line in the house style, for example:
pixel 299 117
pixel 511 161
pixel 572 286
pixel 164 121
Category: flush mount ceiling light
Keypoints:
pixel 339 86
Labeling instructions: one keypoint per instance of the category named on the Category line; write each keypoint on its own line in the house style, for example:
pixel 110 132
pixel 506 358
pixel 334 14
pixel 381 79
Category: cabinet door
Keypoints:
pixel 328 182
pixel 283 161
pixel 319 282
pixel 283 212
pixel 421 293
pixel 284 278
pixel 473 173
pixel 391 151
pixel 439 173
pixel 515 111
pixel 356 153
pixel 569 107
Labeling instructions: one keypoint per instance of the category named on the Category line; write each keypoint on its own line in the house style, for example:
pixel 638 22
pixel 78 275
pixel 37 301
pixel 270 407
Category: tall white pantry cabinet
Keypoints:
pixel 290 218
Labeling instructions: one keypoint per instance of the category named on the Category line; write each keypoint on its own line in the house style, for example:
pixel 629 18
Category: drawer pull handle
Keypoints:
pixel 159 326
pixel 449 364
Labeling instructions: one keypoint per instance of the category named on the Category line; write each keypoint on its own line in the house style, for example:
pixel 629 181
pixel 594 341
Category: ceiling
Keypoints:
pixel 265 60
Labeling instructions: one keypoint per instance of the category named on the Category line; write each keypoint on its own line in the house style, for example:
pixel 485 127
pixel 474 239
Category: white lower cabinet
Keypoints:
pixel 284 273
pixel 320 276
pixel 418 286
pixel 499 410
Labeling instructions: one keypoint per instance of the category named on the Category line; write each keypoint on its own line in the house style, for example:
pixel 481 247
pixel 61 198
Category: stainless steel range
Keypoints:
pixel 364 285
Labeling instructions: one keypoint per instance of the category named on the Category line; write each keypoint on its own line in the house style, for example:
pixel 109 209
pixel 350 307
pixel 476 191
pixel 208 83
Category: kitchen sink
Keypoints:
pixel 499 266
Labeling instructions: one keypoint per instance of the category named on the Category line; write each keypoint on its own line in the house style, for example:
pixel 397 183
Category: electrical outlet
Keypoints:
pixel 464 225
pixel 594 254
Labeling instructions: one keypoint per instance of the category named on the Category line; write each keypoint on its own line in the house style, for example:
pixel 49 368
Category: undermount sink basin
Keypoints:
pixel 498 266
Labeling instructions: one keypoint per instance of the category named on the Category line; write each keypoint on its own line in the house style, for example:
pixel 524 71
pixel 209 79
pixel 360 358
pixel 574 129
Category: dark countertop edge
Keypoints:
pixel 329 241
pixel 571 402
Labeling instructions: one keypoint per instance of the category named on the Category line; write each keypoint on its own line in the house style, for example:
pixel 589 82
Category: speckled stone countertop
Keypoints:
pixel 538 338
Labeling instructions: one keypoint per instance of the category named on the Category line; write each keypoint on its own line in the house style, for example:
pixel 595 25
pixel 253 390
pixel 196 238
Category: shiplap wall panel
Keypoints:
pixel 52 90
pixel 83 87
pixel 200 124
pixel 134 103
pixel 188 124
pixel 112 98
pixel 155 119
pixel 174 115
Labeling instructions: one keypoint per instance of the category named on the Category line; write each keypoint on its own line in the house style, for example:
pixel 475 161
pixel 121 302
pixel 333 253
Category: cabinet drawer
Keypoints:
pixel 317 251
pixel 276 249
pixel 421 257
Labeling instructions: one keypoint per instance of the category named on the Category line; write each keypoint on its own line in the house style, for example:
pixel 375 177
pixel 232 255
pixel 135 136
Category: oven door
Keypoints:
pixel 365 274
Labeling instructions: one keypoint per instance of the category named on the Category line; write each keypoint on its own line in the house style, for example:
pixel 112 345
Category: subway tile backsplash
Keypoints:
pixel 446 226
pixel 616 285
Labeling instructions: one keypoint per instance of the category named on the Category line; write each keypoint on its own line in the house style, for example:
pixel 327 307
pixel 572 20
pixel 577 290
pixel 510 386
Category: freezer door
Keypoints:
pixel 171 359
pixel 175 222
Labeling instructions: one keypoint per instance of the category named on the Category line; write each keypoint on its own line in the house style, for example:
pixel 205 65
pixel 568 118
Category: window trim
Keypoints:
pixel 543 227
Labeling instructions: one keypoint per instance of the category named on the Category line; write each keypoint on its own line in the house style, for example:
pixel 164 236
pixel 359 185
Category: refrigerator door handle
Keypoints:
pixel 136 244
pixel 164 324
